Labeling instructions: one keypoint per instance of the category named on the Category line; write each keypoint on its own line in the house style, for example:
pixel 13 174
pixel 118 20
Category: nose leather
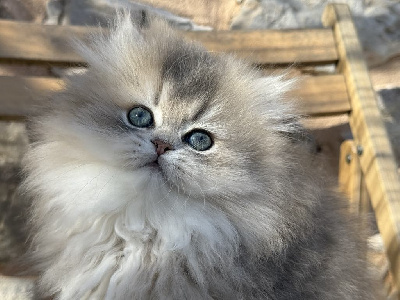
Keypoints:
pixel 161 146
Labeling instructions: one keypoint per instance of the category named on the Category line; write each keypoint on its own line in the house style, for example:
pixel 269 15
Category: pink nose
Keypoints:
pixel 161 146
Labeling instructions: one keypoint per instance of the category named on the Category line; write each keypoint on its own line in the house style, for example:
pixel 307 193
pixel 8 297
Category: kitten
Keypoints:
pixel 167 172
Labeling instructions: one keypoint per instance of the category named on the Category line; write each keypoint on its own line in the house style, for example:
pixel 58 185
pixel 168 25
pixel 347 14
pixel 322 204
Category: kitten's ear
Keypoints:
pixel 141 19
pixel 136 20
pixel 105 48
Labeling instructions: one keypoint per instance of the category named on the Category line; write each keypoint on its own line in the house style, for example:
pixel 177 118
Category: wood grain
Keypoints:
pixel 321 95
pixel 377 161
pixel 272 46
pixel 20 95
pixel 27 42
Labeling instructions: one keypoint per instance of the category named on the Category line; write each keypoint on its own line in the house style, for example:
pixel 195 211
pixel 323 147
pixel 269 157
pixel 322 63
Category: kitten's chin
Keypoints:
pixel 163 172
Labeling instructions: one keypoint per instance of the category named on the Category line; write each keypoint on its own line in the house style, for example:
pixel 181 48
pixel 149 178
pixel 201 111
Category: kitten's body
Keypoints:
pixel 247 219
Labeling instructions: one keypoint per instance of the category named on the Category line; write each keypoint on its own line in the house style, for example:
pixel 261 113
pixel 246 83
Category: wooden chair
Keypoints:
pixel 348 91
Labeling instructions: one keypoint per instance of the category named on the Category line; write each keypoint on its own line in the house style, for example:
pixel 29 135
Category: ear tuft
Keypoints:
pixel 144 19
pixel 104 48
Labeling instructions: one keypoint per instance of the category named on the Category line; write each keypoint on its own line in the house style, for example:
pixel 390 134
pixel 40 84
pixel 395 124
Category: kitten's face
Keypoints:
pixel 151 90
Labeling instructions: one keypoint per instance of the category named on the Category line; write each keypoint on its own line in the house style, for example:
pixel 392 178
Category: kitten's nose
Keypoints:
pixel 161 146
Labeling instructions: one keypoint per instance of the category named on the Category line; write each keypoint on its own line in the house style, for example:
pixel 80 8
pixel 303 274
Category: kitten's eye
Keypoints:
pixel 199 140
pixel 140 117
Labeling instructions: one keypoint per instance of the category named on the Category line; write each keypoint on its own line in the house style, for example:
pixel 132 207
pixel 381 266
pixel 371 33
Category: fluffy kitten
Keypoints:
pixel 167 172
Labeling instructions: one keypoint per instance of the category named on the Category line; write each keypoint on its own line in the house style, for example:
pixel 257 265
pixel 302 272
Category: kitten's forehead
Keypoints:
pixel 191 79
pixel 193 72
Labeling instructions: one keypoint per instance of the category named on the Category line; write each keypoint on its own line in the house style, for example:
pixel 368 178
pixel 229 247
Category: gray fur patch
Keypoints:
pixel 194 72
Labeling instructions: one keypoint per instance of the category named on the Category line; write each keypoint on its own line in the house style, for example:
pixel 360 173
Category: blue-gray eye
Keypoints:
pixel 140 117
pixel 199 140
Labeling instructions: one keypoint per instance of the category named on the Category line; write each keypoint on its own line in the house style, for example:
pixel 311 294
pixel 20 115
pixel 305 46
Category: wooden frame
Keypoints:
pixel 347 91
pixel 377 161
pixel 351 179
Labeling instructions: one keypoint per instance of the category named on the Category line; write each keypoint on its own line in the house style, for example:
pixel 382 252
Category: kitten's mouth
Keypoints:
pixel 154 165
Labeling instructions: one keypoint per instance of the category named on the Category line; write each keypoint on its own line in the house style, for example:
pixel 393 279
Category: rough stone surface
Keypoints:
pixel 26 10
pixel 90 12
pixel 187 14
pixel 389 101
pixel 377 21
pixel 387 75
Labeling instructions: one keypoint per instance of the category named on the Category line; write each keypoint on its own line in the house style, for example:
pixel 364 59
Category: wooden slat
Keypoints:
pixel 377 161
pixel 321 95
pixel 19 95
pixel 272 46
pixel 29 42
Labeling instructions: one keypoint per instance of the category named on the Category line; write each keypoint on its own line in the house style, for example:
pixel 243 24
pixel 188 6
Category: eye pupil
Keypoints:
pixel 199 140
pixel 140 117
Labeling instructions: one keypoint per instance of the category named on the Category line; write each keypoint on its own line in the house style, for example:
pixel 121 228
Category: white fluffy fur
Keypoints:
pixel 101 220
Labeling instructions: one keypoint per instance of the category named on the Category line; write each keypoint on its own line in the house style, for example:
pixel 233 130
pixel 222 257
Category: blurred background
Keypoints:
pixel 377 22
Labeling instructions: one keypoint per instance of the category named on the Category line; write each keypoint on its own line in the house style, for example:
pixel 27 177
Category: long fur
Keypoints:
pixel 250 218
